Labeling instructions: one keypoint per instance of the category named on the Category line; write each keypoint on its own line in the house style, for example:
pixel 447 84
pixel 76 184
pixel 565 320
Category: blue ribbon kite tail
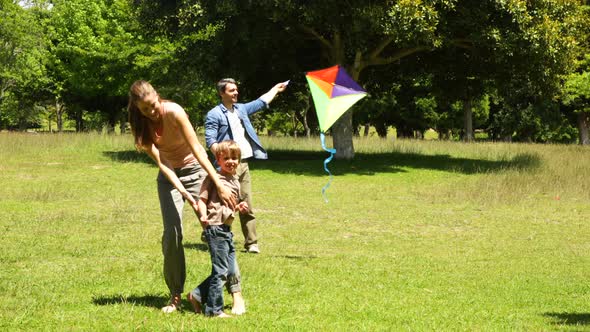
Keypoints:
pixel 332 152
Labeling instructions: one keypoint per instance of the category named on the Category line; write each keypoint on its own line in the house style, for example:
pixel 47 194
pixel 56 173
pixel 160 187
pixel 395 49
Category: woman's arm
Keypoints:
pixel 201 155
pixel 202 213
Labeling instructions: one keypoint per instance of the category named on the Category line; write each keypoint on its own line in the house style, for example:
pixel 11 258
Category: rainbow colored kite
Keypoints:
pixel 333 92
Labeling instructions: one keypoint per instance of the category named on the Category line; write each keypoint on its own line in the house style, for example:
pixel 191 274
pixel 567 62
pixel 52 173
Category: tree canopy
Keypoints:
pixel 514 68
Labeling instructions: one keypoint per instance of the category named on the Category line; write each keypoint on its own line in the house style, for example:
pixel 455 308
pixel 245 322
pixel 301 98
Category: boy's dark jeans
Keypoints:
pixel 223 255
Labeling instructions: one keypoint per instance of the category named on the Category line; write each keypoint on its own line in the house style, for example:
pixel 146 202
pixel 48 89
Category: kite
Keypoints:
pixel 333 92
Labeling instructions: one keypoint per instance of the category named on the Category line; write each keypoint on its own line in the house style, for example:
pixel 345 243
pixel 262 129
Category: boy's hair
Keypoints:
pixel 228 147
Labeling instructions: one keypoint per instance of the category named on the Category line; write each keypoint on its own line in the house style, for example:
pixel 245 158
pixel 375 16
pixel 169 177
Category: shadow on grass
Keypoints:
pixel 155 301
pixel 196 246
pixel 311 162
pixel 568 318
pixel 129 156
pixel 150 301
pixel 297 257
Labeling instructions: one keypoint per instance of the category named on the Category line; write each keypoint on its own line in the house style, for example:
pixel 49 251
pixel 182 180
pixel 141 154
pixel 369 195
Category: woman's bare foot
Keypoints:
pixel 196 304
pixel 173 305
pixel 238 306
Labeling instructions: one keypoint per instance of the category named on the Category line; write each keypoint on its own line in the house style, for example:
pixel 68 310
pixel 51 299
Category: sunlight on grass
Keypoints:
pixel 417 235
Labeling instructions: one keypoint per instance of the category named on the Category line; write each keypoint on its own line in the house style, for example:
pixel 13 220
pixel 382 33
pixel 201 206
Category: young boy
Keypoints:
pixel 216 220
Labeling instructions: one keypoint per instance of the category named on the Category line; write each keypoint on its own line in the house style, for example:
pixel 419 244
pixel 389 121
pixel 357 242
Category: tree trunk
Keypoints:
pixel 381 129
pixel 22 125
pixel 111 126
pixel 49 123
pixel 342 136
pixel 306 126
pixel 583 124
pixel 59 120
pixel 294 124
pixel 342 130
pixel 468 118
pixel 79 121
pixel 405 132
pixel 59 109
pixel 305 111
pixel 1 98
pixel 366 130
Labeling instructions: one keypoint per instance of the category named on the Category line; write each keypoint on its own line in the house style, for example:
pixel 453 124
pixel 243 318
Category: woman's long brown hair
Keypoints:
pixel 139 123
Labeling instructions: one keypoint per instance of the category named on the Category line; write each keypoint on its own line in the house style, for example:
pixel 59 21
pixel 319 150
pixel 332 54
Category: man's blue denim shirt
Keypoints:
pixel 217 127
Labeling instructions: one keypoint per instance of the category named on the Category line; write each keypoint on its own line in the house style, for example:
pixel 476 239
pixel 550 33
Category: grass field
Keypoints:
pixel 417 235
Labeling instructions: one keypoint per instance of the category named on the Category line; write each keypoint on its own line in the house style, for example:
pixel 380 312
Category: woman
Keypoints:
pixel 161 128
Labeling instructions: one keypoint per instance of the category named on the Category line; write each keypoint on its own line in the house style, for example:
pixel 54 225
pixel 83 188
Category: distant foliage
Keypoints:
pixel 517 69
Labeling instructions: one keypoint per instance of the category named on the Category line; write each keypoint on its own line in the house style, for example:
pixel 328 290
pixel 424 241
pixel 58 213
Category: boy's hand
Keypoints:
pixel 242 207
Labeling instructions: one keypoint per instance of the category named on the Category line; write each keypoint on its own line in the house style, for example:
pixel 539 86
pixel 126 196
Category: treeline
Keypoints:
pixel 515 69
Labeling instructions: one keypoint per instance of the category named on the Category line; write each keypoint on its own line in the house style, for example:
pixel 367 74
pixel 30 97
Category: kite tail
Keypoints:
pixel 332 152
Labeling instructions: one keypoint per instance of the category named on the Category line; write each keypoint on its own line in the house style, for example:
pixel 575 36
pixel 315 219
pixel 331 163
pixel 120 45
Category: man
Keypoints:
pixel 230 120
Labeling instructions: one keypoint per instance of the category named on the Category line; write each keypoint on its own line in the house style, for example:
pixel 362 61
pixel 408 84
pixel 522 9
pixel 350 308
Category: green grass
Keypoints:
pixel 417 235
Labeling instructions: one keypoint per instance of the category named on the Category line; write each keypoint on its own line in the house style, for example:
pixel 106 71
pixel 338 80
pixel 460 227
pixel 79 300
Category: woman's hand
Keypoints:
pixel 204 223
pixel 189 198
pixel 227 197
pixel 242 207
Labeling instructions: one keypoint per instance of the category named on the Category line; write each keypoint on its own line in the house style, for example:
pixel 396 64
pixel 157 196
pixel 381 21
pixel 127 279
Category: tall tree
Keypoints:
pixel 23 55
pixel 522 39
pixel 576 94
pixel 517 49
pixel 577 98
pixel 359 35
pixel 287 38
pixel 98 51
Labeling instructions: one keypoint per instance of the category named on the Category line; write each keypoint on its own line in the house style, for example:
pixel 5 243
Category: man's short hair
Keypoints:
pixel 223 83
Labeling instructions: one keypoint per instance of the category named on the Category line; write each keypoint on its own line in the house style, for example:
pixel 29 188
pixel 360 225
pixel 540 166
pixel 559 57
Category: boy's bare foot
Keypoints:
pixel 196 304
pixel 238 306
pixel 173 305
pixel 223 315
